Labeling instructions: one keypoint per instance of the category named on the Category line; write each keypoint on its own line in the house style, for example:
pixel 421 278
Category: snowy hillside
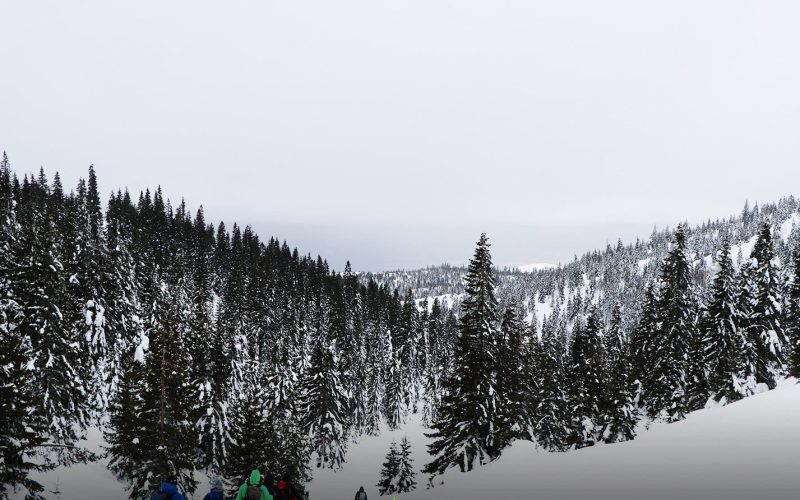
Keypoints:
pixel 698 458
pixel 529 268
pixel 616 274
pixel 741 451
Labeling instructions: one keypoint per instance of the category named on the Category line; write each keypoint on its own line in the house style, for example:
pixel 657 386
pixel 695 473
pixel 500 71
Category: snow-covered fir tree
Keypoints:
pixel 467 425
pixel 151 434
pixel 405 474
pixel 793 313
pixel 127 426
pixel 324 407
pixel 551 414
pixel 587 382
pixel 22 429
pixel 764 329
pixel 397 473
pixel 670 342
pixel 620 405
pixel 513 383
pixel 389 471
pixel 61 359
pixel 254 441
pixel 721 329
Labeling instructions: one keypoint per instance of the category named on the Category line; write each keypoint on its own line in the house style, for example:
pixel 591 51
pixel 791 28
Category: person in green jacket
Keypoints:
pixel 252 489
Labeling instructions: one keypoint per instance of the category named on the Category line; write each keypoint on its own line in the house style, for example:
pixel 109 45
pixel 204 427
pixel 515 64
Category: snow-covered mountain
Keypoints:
pixel 616 274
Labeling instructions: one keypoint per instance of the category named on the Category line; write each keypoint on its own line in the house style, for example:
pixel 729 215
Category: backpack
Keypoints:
pixel 362 495
pixel 160 495
pixel 253 492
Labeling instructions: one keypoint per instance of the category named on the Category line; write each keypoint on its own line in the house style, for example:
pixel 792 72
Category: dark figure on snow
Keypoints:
pixel 285 489
pixel 217 491
pixel 252 489
pixel 269 481
pixel 361 494
pixel 168 491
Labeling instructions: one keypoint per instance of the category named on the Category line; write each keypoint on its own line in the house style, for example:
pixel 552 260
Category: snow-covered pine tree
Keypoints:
pixel 620 408
pixel 355 327
pixel 282 380
pixel 123 324
pixel 615 339
pixel 99 303
pixel 467 424
pixel 697 392
pixel 233 318
pixel 6 192
pixel 395 409
pixel 793 312
pixel 513 384
pixel 747 366
pixel 376 346
pixel 324 406
pixel 129 433
pixel 722 336
pixel 405 469
pixel 209 353
pixel 531 375
pixel 22 430
pixel 764 329
pixel 60 357
pixel 397 472
pixel 410 355
pixel 169 443
pixel 587 382
pixel 551 416
pixel 643 336
pixel 402 364
pixel 211 406
pixel 389 471
pixel 293 453
pixel 436 368
pixel 254 441
pixel 666 369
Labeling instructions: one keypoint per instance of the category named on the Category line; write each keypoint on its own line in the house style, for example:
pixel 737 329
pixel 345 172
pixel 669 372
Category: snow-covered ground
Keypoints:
pixel 747 450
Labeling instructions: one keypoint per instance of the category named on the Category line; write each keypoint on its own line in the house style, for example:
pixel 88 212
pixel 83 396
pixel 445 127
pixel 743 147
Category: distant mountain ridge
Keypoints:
pixel 616 274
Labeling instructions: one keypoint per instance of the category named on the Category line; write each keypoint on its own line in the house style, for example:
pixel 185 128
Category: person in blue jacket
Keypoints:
pixel 217 491
pixel 168 491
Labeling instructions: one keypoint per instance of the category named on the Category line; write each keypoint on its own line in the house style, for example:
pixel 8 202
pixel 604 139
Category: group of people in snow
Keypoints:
pixel 256 487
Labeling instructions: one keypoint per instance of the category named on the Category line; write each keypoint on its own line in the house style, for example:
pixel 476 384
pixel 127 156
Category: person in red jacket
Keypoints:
pixel 284 490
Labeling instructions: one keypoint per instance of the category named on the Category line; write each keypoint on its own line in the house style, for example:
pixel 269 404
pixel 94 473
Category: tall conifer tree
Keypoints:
pixel 670 346
pixel 793 312
pixel 468 422
pixel 722 335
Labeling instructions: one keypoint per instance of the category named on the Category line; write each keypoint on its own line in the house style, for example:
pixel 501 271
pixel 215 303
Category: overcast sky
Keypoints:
pixel 392 132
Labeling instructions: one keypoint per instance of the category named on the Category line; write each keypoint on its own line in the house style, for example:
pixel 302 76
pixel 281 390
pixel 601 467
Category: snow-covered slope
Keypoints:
pixel 747 450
